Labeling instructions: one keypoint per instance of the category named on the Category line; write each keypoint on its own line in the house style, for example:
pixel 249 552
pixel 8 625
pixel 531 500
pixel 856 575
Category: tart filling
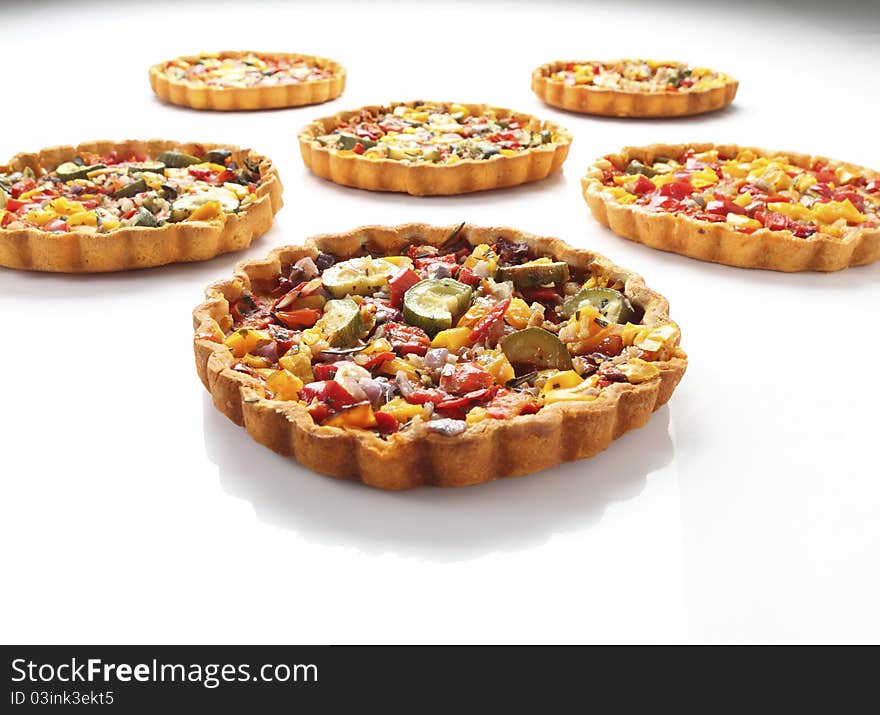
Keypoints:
pixel 747 190
pixel 437 133
pixel 446 335
pixel 640 76
pixel 101 193
pixel 247 69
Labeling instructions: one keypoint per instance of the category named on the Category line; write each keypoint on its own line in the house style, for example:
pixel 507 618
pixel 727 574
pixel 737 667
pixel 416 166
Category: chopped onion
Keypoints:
pixel 436 358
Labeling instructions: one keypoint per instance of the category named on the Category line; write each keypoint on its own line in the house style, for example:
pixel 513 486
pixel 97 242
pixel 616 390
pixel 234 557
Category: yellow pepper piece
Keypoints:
pixel 580 392
pixel 242 341
pixel 284 385
pixel 476 414
pixel 255 361
pixel 377 346
pixel 743 199
pixel 209 166
pixel 804 182
pixel 83 218
pixel 703 178
pixel 798 211
pixel 205 212
pixel 483 252
pixel 741 221
pixel 518 313
pixel 833 210
pixel 298 361
pixel 401 410
pixel 638 370
pixel 400 261
pixel 391 367
pixel 28 194
pixel 312 336
pixel 562 381
pixel 499 367
pixel 651 339
pixel 453 339
pixel 41 218
pixel 356 416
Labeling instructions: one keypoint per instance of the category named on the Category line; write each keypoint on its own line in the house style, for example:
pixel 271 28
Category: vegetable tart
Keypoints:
pixel 633 88
pixel 419 355
pixel 740 206
pixel 247 80
pixel 112 206
pixel 431 148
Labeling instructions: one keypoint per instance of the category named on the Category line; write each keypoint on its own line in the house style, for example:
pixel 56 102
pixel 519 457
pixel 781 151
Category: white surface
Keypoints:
pixel 746 510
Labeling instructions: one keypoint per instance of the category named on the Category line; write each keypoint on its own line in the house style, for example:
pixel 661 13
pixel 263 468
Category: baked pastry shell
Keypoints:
pixel 586 99
pixel 426 179
pixel 416 457
pixel 228 99
pixel 137 247
pixel 718 242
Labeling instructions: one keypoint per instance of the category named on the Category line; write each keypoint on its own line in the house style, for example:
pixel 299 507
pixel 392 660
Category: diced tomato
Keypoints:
pixel 468 277
pixel 325 396
pixel 400 283
pixel 825 175
pixel 854 197
pixel 203 174
pixel 488 321
pixel 325 370
pixel 15 204
pixel 407 339
pixel 297 319
pixel 643 185
pixel 449 259
pixel 89 205
pixel 873 186
pixel 225 176
pixel 772 220
pixel 20 187
pixel 129 214
pixel 358 148
pixel 465 377
pixel 723 206
pixel 457 407
pixel 8 218
pixel 377 359
pixel 510 403
pixel 385 423
pixel 677 189
pixel 421 395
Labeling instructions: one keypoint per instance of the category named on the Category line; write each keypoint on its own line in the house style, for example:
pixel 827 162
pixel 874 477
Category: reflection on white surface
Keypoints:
pixel 434 524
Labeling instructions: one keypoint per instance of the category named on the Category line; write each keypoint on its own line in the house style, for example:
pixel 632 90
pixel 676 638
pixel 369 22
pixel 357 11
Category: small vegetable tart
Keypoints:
pixel 633 88
pixel 741 206
pixel 247 80
pixel 113 206
pixel 430 148
pixel 416 355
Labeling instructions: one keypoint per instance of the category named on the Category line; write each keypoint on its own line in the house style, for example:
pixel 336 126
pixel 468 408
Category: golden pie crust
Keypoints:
pixel 425 179
pixel 138 247
pixel 488 450
pixel 228 99
pixel 607 102
pixel 718 242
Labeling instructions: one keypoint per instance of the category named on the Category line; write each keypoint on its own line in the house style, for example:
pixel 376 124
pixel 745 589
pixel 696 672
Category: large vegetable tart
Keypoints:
pixel 428 148
pixel 106 206
pixel 740 206
pixel 419 355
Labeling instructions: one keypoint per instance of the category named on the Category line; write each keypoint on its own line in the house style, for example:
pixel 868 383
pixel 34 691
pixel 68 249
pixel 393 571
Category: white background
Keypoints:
pixel 746 510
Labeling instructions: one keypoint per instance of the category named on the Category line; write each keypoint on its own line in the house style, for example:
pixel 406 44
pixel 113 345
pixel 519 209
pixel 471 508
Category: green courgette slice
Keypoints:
pixel 534 274
pixel 358 276
pixel 153 167
pixel 218 156
pixel 399 153
pixel 341 322
pixel 69 170
pixel 350 141
pixel 436 304
pixel 177 159
pixel 143 217
pixel 536 347
pixel 132 189
pixel 612 304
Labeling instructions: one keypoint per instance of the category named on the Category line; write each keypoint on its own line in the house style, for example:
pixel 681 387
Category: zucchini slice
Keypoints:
pixel 612 304
pixel 436 304
pixel 218 156
pixel 536 347
pixel 68 171
pixel 341 322
pixel 177 159
pixel 145 218
pixel 413 153
pixel 358 276
pixel 153 167
pixel 190 202
pixel 534 273
pixel 133 189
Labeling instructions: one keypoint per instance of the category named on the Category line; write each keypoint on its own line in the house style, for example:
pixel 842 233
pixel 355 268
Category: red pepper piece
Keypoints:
pixel 377 359
pixel 723 206
pixel 421 395
pixel 325 370
pixel 20 187
pixel 385 423
pixel 328 393
pixel 677 189
pixel 485 324
pixel 464 378
pixel 509 403
pixel 15 204
pixel 400 283
pixel 643 186
pixel 297 319
pixel 407 339
pixel 468 277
